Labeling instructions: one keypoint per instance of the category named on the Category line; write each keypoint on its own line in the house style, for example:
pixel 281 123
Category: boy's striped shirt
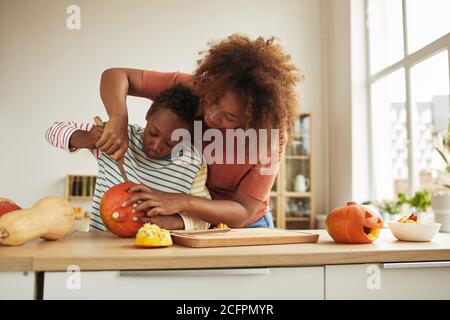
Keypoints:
pixel 187 175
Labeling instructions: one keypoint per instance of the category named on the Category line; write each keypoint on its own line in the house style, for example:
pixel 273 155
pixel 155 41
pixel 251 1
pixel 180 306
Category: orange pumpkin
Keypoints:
pixel 118 219
pixel 7 205
pixel 353 224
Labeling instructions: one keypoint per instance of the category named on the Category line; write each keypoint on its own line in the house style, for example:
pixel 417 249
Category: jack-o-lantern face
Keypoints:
pixel 353 224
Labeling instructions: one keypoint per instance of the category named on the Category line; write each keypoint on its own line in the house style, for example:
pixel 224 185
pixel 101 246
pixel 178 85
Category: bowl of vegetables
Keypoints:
pixel 408 228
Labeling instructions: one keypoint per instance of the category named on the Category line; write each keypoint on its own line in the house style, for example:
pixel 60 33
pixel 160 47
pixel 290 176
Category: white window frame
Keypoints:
pixel 409 60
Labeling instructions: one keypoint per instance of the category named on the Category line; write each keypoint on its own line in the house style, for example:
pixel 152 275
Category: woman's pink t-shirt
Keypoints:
pixel 224 180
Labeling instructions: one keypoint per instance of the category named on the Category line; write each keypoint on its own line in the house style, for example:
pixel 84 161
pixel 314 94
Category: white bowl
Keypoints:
pixel 414 231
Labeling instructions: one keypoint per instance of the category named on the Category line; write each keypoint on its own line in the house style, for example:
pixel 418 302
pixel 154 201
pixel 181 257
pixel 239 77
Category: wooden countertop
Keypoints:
pixel 104 251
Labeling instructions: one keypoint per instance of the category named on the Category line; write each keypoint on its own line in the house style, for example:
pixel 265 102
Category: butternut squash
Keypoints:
pixel 50 218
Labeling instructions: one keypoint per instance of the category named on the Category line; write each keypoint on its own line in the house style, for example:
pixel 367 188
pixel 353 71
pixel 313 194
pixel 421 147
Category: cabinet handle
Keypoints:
pixel 411 265
pixel 194 273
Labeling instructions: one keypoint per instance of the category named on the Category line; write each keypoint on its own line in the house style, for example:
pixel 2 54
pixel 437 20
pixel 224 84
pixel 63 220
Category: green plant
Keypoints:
pixel 389 206
pixel 421 200
pixel 402 199
pixel 393 206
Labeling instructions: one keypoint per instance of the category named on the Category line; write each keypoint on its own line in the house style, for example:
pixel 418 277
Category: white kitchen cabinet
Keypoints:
pixel 411 280
pixel 17 285
pixel 256 283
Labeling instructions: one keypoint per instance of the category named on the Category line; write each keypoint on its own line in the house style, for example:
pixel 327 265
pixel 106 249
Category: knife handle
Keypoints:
pixel 98 121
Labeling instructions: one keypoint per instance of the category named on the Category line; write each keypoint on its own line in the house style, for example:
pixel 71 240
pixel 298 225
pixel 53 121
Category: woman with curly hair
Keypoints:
pixel 241 83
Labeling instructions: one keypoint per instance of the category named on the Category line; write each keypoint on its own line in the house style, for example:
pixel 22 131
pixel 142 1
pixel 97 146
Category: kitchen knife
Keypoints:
pixel 99 122
pixel 195 232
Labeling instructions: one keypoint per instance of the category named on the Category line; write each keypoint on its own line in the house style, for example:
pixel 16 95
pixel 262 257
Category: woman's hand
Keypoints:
pixel 114 140
pixel 155 202
pixel 115 85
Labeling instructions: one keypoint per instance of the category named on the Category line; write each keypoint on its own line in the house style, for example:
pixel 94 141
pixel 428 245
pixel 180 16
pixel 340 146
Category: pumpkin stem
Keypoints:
pixel 351 203
pixel 3 233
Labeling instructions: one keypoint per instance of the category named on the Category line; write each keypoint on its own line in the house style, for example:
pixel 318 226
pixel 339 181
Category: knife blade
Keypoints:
pixel 195 232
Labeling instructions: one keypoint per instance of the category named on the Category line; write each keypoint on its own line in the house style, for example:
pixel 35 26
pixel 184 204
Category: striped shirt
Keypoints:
pixel 186 175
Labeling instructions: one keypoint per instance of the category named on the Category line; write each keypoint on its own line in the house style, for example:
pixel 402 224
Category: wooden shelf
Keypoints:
pixel 297 219
pixel 80 186
pixel 294 194
pixel 301 135
pixel 291 194
pixel 79 198
pixel 295 157
pixel 82 175
pixel 292 164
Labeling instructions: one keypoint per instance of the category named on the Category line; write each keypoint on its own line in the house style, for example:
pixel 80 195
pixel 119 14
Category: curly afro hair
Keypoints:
pixel 260 72
pixel 180 100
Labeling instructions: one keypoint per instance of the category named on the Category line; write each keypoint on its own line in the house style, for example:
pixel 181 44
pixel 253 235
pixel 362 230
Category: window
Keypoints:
pixel 430 112
pixel 386 33
pixel 428 20
pixel 409 45
pixel 389 113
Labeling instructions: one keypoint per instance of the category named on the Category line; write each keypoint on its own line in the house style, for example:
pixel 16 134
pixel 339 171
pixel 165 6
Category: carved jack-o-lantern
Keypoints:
pixel 354 224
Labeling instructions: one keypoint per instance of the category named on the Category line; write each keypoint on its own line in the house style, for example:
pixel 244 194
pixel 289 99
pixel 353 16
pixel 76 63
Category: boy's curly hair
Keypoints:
pixel 180 100
pixel 260 72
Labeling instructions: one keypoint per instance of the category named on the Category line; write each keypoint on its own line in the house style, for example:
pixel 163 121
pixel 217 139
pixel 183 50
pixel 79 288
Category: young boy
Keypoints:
pixel 148 159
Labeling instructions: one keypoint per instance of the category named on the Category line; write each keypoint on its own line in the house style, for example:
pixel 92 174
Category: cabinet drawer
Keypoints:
pixel 17 285
pixel 422 280
pixel 258 283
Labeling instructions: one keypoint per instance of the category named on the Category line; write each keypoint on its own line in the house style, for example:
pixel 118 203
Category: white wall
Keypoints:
pixel 346 115
pixel 361 151
pixel 338 115
pixel 50 73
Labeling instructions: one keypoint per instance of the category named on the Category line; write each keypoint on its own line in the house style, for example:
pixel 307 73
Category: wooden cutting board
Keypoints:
pixel 243 237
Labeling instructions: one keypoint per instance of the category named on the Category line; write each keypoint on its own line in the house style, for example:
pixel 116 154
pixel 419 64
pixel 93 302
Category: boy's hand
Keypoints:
pixel 153 202
pixel 114 139
pixel 86 139
pixel 94 135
